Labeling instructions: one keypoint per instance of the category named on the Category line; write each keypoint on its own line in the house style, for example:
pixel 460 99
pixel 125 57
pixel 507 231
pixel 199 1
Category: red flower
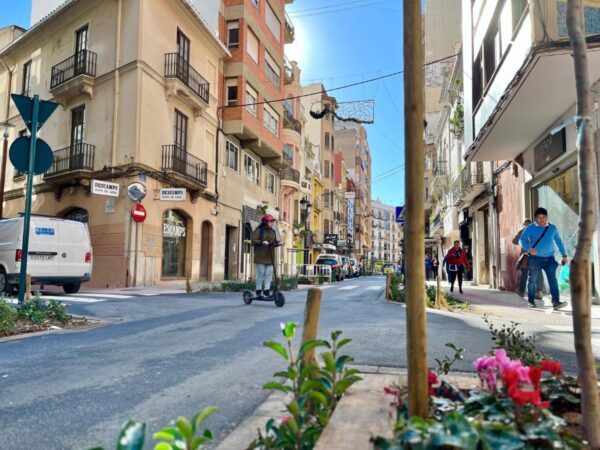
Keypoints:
pixel 535 375
pixel 432 379
pixel 510 377
pixel 391 391
pixel 523 397
pixel 553 367
pixel 286 419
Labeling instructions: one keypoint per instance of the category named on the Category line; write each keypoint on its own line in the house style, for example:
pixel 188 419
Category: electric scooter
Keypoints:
pixel 276 295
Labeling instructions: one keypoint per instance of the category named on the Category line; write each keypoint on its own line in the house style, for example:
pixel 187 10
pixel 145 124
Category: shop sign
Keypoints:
pixel 110 206
pixel 331 238
pixel 341 243
pixel 350 195
pixel 172 195
pixel 105 188
pixel 171 230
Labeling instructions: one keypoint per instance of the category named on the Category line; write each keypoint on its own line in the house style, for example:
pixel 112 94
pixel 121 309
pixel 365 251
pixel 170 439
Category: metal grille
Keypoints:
pixel 176 159
pixel 79 156
pixel 177 67
pixel 81 63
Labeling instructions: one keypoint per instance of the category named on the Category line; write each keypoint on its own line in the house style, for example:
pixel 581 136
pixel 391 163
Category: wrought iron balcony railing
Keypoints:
pixel 177 67
pixel 440 168
pixel 291 123
pixel 81 63
pixel 176 159
pixel 290 174
pixel 78 156
pixel 289 27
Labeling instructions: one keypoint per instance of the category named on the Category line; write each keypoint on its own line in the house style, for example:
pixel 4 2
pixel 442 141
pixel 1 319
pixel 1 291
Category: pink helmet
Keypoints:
pixel 268 218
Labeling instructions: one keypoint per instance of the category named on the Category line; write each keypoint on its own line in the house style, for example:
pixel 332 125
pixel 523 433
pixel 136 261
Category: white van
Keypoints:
pixel 60 253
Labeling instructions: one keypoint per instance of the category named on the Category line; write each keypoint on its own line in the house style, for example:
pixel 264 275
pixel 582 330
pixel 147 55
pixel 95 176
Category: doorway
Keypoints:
pixel 231 246
pixel 206 251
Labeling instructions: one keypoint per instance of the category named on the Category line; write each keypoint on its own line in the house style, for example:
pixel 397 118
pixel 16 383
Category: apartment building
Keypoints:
pixel 138 85
pixel 386 234
pixel 352 141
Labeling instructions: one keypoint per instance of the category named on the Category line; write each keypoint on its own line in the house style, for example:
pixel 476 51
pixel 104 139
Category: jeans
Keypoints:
pixel 549 265
pixel 264 272
pixel 525 277
pixel 452 275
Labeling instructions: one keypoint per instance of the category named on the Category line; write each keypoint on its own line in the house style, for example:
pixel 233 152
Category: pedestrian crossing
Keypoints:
pixel 366 288
pixel 85 297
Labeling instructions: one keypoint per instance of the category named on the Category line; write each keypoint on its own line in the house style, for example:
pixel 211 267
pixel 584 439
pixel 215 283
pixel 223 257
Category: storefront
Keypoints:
pixel 174 244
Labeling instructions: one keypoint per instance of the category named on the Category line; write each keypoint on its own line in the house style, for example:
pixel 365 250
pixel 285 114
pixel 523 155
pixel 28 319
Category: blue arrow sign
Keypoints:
pixel 19 155
pixel 400 214
pixel 25 107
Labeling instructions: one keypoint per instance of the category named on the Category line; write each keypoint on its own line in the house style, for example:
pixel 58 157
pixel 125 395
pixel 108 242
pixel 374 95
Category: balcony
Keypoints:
pixel 290 177
pixel 188 169
pixel 470 185
pixel 74 158
pixel 288 71
pixel 440 177
pixel 290 32
pixel 289 121
pixel 74 76
pixel 186 83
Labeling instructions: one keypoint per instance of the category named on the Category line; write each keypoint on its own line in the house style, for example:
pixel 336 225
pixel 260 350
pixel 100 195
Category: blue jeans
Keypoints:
pixel 264 272
pixel 525 277
pixel 549 265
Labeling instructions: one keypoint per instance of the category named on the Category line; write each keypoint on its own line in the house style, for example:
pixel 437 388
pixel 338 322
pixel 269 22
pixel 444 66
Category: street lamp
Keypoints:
pixel 305 210
pixel 6 125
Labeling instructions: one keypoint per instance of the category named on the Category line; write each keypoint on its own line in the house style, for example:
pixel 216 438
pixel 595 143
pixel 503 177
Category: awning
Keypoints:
pixel 541 91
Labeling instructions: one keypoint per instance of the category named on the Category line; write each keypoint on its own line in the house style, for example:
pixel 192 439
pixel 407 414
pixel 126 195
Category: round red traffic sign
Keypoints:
pixel 138 212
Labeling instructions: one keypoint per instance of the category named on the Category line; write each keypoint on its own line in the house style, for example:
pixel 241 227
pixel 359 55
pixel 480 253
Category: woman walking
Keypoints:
pixel 456 261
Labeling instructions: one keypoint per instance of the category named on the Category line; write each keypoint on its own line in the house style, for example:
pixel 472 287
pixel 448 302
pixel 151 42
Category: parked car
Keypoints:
pixel 355 268
pixel 387 268
pixel 347 267
pixel 60 253
pixel 335 261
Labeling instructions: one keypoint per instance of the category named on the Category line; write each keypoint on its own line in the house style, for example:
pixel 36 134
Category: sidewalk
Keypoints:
pixel 509 305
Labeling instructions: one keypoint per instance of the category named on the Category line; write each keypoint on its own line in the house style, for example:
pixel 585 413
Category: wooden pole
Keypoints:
pixel 311 322
pixel 27 288
pixel 581 286
pixel 414 116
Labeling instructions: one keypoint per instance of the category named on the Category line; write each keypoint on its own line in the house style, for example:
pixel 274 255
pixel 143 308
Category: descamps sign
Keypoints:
pixel 171 230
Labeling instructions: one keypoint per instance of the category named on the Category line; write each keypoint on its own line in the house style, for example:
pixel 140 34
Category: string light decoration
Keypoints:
pixel 360 111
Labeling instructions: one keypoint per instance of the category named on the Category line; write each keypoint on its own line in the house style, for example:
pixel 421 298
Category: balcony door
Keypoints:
pixel 81 46
pixel 183 57
pixel 180 142
pixel 76 154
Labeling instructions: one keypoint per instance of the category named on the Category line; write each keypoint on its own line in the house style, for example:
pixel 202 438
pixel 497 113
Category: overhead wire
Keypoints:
pixel 335 9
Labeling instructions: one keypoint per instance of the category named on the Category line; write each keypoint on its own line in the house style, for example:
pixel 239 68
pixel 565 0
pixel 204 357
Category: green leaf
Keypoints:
pixel 309 345
pixel 292 374
pixel 281 374
pixel 203 415
pixel 289 329
pixel 341 362
pixel 343 342
pixel 293 408
pixel 277 387
pixel 185 427
pixel 168 434
pixel 329 361
pixel 278 348
pixel 342 386
pixel 163 446
pixel 309 370
pixel 350 372
pixel 335 335
pixel 198 441
pixel 318 397
pixel 309 385
pixel 208 434
pixel 293 425
pixel 132 436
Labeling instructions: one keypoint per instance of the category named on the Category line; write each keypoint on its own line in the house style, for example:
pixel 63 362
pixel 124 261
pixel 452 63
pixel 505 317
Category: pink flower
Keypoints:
pixel 432 379
pixel 286 419
pixel 500 355
pixel 484 363
pixel 391 391
pixel 523 374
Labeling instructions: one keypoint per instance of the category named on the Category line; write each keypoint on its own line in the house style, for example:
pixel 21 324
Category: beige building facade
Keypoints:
pixel 138 86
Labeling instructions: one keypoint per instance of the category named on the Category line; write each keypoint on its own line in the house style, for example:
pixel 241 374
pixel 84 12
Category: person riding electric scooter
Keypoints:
pixel 264 240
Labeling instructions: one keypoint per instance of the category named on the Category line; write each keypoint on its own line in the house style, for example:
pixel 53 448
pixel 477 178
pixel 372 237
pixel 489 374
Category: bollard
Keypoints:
pixel 311 322
pixel 27 288
pixel 388 287
pixel 188 286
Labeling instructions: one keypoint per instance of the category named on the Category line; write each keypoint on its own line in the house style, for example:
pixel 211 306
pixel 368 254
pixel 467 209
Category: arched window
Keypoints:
pixel 77 214
pixel 174 244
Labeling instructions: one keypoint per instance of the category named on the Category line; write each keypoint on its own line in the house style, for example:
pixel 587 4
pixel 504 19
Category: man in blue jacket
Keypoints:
pixel 541 256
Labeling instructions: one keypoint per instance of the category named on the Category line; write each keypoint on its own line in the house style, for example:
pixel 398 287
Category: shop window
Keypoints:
pixel 78 215
pixel 174 244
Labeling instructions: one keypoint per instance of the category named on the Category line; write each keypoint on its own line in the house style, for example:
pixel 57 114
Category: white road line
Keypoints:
pixel 375 288
pixel 148 295
pixel 63 298
pixel 347 288
pixel 105 295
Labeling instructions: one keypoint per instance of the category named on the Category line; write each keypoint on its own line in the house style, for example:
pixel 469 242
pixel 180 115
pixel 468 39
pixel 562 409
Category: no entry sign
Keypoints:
pixel 138 213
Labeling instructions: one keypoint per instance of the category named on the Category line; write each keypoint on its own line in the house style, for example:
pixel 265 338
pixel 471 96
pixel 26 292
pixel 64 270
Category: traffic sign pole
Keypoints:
pixel 27 218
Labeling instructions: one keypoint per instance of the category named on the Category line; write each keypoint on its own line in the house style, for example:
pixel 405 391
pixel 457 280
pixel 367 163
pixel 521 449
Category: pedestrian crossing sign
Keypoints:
pixel 400 214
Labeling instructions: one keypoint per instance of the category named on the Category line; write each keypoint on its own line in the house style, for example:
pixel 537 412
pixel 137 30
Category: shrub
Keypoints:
pixel 515 342
pixel 7 316
pixel 35 311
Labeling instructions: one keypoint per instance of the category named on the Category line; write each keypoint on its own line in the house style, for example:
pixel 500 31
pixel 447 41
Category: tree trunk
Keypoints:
pixel 581 289
pixel 416 324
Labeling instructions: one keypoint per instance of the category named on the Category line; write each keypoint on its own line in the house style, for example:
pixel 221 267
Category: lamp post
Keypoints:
pixel 5 127
pixel 305 210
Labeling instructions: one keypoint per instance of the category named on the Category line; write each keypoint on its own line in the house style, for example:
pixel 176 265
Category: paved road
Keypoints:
pixel 171 355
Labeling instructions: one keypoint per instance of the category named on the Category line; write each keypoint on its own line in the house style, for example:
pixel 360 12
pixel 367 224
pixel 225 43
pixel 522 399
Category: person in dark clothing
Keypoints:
pixel 522 290
pixel 539 240
pixel 435 266
pixel 455 262
pixel 262 238
pixel 427 267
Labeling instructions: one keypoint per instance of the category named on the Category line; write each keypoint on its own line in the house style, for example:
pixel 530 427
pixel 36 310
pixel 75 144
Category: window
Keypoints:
pixel 332 143
pixel 174 244
pixel 326 227
pixel 271 120
pixel 272 70
pixel 231 88
pixel 232 155
pixel 326 169
pixel 477 80
pixel 17 173
pixel 180 130
pixel 273 23
pixel 233 34
pixel 252 169
pixel 327 198
pixel 183 46
pixel 255 3
pixel 327 147
pixel 270 182
pixel 288 153
pixel 26 85
pixel 252 46
pixel 332 176
pixel 518 10
pixel 251 99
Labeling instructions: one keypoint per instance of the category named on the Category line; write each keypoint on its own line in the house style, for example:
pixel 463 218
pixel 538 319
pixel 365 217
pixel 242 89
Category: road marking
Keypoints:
pixel 347 288
pixel 73 299
pixel 374 288
pixel 106 295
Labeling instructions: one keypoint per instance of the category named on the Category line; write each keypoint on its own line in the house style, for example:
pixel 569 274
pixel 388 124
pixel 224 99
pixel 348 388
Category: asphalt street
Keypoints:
pixel 169 355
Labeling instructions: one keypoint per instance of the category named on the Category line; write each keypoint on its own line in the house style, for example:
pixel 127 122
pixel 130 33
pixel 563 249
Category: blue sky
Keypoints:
pixel 340 43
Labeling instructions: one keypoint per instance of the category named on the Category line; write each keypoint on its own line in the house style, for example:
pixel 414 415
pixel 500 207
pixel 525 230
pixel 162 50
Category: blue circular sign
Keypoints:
pixel 19 155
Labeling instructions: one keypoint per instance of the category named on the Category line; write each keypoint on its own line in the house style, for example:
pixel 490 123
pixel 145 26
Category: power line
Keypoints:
pixel 337 5
pixel 340 9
